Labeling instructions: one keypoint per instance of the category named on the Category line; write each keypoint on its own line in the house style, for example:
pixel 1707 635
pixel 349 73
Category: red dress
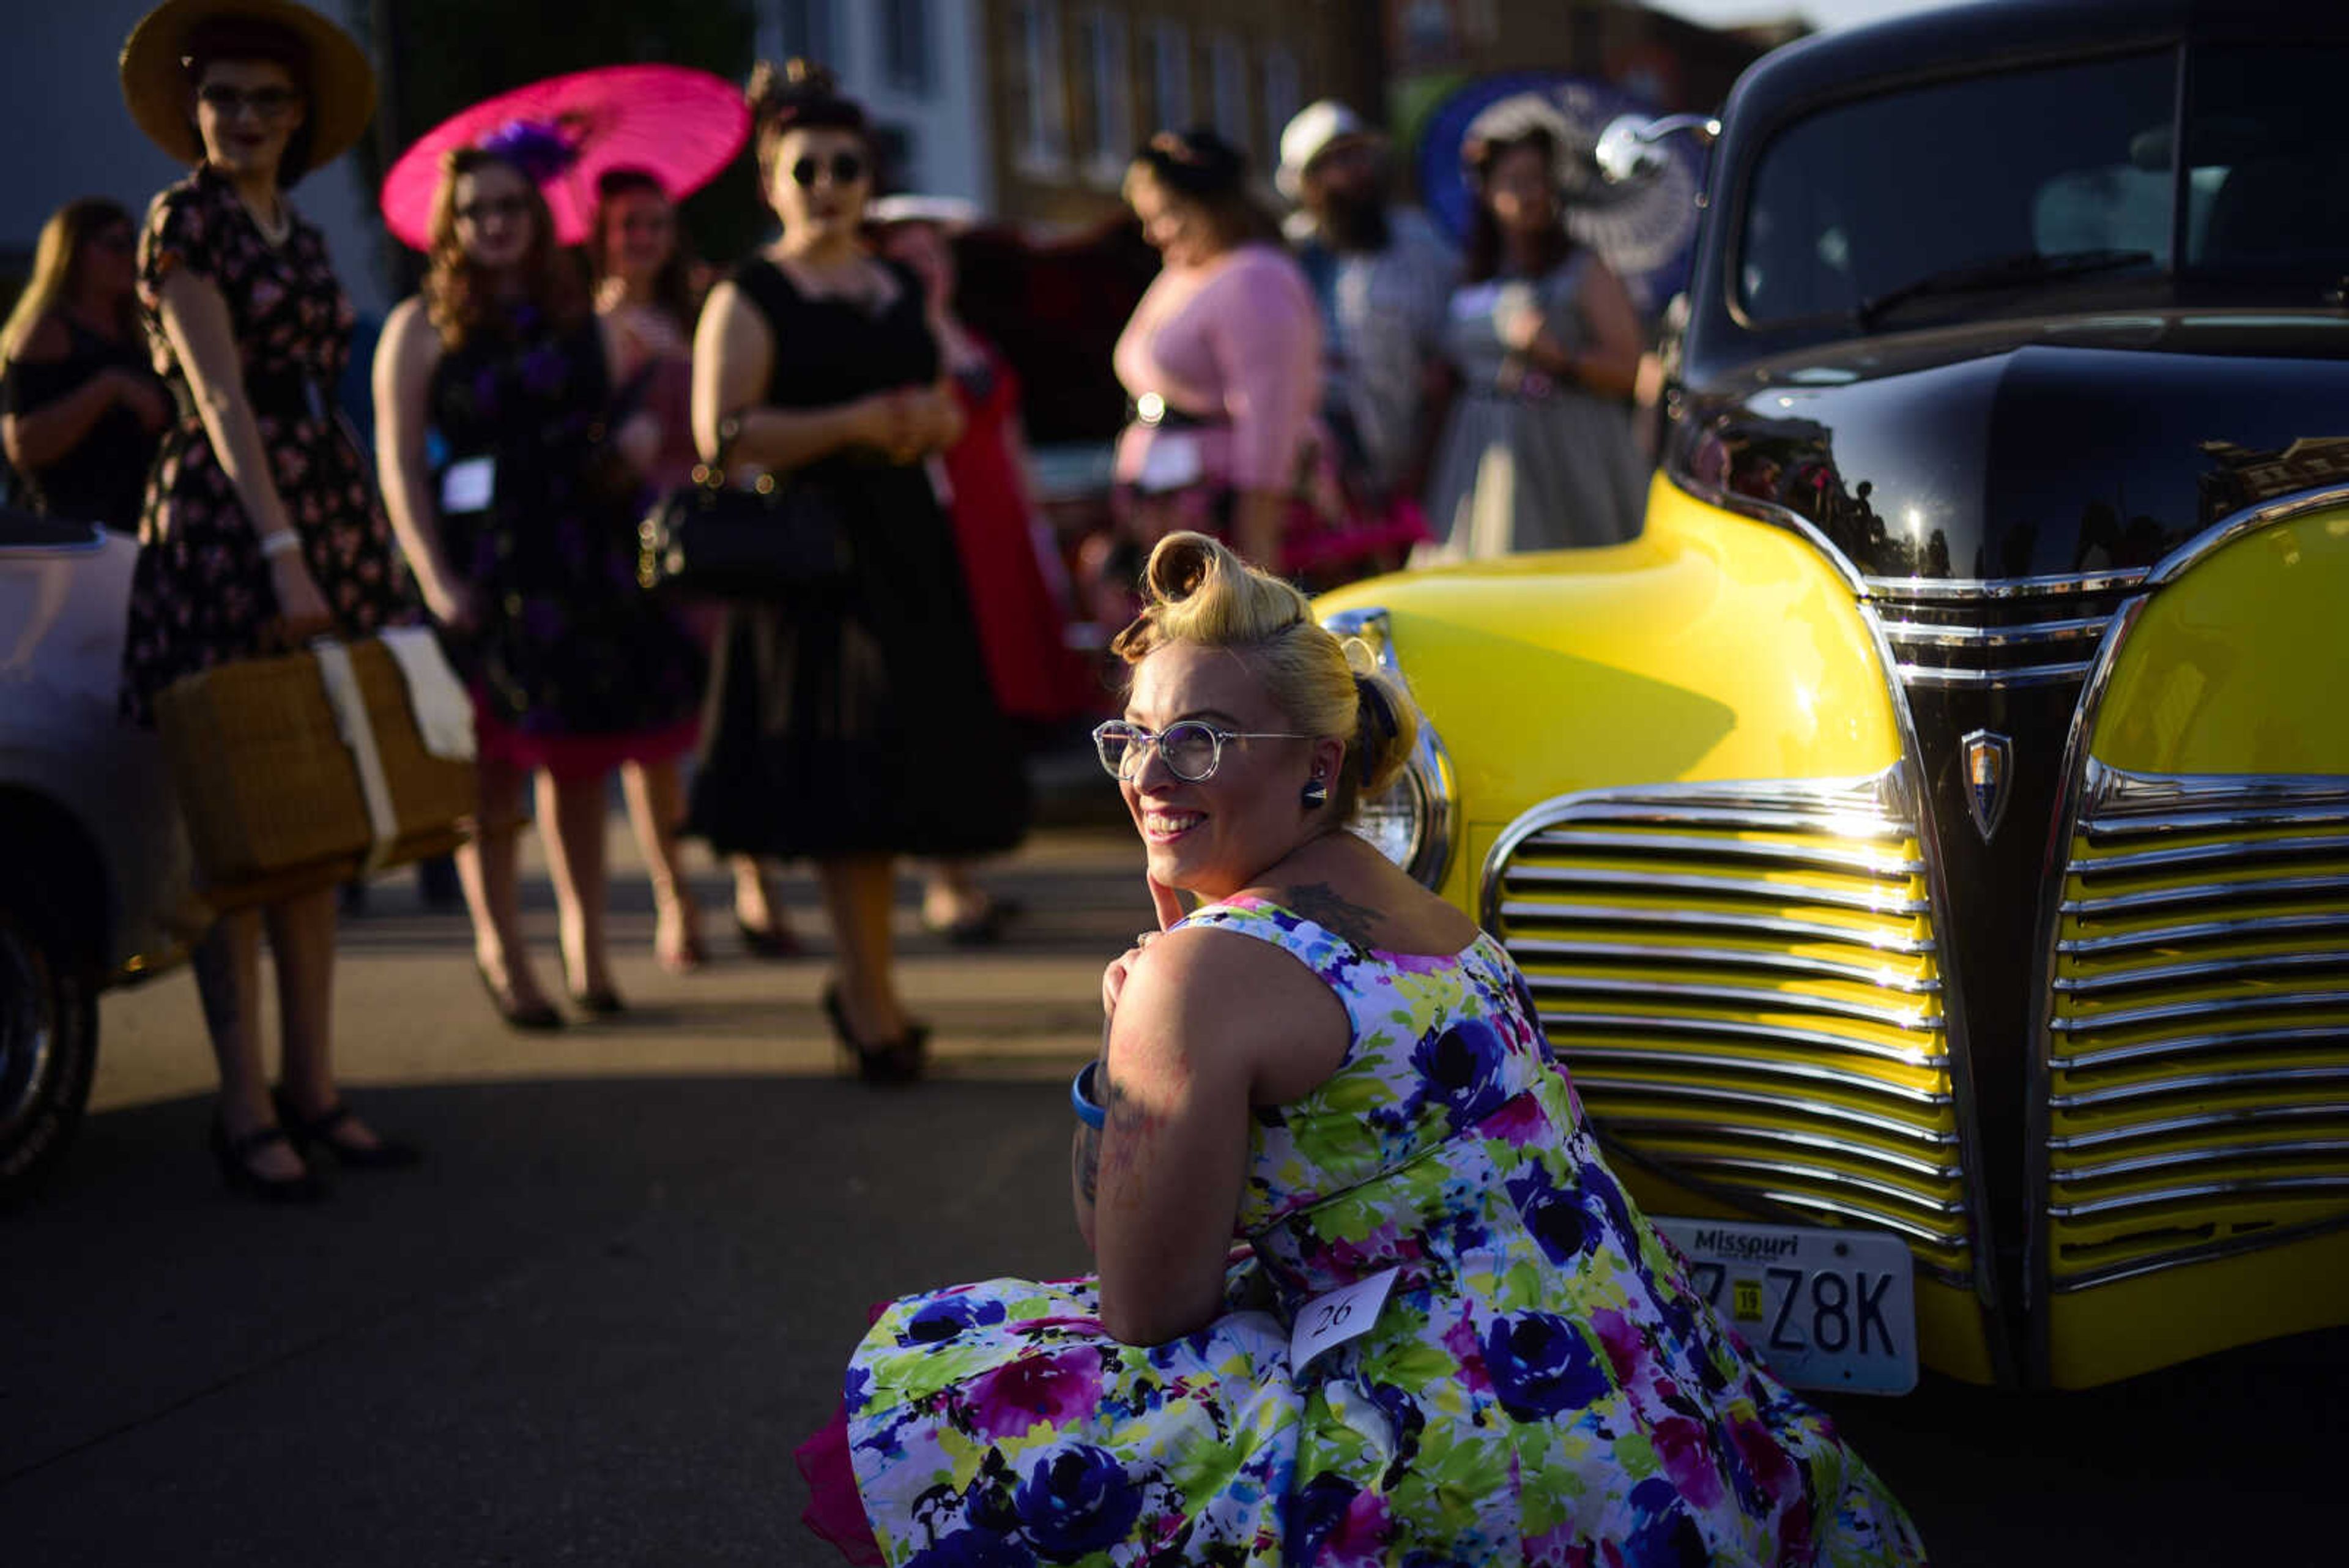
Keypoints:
pixel 1036 676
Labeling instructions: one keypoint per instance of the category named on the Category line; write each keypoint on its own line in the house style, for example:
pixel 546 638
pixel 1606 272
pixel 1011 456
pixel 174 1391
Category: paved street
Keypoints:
pixel 593 1328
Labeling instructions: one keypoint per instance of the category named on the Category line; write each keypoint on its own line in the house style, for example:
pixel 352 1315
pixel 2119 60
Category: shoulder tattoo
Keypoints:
pixel 1326 907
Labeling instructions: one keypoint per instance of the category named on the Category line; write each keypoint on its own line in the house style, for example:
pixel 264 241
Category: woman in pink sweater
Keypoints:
pixel 1221 363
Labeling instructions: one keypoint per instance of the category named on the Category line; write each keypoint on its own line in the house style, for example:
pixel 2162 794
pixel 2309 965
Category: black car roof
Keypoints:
pixel 1964 39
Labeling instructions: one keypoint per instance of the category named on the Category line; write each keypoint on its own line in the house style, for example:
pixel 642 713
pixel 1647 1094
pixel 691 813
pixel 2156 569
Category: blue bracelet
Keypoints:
pixel 1081 1096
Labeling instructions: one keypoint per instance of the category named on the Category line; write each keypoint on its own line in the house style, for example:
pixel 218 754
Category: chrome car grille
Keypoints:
pixel 1971 636
pixel 1742 979
pixel 2197 1032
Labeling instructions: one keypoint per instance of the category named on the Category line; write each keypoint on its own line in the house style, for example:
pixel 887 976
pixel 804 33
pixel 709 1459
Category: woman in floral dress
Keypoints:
pixel 1332 1064
pixel 260 526
pixel 524 542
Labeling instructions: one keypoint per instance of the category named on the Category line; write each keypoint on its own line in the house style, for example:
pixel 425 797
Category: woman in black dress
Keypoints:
pixel 524 542
pixel 260 525
pixel 861 727
pixel 80 408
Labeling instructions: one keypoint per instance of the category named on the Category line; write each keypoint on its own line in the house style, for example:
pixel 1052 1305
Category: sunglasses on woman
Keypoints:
pixel 1192 749
pixel 846 169
pixel 228 102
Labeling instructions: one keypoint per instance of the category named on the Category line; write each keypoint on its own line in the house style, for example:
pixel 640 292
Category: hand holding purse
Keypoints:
pixel 776 540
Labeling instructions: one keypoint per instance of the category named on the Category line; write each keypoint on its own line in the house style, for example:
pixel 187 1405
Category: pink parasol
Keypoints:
pixel 679 125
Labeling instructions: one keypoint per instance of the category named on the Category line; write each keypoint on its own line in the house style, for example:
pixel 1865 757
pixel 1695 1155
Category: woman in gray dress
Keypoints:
pixel 1538 451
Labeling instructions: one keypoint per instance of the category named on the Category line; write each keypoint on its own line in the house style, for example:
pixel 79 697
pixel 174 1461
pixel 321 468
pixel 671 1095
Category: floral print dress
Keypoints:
pixel 1542 1386
pixel 202 593
pixel 574 668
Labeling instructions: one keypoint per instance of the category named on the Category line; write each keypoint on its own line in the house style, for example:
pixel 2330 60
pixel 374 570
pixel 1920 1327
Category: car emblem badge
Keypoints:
pixel 1990 765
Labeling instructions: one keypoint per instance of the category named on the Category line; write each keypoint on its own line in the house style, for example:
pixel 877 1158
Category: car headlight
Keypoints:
pixel 1411 821
pixel 1395 819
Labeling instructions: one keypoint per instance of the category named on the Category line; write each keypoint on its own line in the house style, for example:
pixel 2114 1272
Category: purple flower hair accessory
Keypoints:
pixel 539 147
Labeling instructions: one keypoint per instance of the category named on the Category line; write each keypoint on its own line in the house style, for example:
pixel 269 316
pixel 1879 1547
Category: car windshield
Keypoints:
pixel 1987 194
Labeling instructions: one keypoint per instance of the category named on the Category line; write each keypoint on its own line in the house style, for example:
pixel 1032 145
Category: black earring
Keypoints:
pixel 1316 794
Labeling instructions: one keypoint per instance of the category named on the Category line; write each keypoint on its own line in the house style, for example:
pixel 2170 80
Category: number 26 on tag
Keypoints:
pixel 1337 1316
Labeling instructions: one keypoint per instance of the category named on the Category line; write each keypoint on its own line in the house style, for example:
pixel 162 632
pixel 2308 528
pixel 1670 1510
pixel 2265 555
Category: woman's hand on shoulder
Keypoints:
pixel 1168 908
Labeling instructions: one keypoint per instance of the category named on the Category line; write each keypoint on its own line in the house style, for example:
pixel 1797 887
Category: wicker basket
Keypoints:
pixel 271 794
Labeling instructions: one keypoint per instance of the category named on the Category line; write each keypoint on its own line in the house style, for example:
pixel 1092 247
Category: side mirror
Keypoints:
pixel 1627 148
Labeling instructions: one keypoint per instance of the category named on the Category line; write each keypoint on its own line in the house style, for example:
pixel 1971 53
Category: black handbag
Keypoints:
pixel 775 540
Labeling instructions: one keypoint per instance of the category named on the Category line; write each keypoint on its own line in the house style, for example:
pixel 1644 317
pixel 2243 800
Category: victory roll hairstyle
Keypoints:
pixel 798 95
pixel 1200 592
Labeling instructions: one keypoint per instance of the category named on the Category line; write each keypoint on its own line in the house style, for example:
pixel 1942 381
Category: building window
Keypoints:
pixel 1044 146
pixel 1108 102
pixel 799 28
pixel 1169 76
pixel 1280 94
pixel 1227 81
pixel 905 45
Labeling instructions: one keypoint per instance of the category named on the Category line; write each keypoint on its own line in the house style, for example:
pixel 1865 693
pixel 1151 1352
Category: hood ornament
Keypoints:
pixel 1989 770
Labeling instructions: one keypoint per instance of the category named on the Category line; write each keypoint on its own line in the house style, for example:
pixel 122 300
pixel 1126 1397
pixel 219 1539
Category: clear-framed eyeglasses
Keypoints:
pixel 1192 749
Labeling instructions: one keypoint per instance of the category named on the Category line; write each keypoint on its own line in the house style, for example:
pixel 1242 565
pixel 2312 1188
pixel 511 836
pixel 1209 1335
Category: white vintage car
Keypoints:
pixel 94 866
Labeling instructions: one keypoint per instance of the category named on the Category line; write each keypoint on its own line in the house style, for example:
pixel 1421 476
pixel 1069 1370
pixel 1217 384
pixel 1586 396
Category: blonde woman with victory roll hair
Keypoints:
pixel 1452 1339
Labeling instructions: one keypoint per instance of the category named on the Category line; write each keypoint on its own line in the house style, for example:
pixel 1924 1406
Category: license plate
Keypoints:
pixel 1824 1308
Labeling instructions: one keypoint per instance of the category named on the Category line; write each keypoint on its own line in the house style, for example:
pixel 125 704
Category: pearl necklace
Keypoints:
pixel 275 233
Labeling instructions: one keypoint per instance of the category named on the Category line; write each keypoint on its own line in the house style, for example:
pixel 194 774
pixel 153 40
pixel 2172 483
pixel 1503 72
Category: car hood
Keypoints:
pixel 2029 449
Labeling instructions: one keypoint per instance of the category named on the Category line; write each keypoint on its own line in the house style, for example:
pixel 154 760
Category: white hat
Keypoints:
pixel 1310 134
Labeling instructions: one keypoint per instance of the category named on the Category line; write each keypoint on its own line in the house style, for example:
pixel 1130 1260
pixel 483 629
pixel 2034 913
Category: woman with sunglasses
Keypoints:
pixel 260 526
pixel 1452 1339
pixel 81 410
pixel 859 727
pixel 525 542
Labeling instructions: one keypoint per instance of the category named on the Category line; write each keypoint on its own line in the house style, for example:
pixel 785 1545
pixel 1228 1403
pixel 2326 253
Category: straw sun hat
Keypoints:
pixel 339 103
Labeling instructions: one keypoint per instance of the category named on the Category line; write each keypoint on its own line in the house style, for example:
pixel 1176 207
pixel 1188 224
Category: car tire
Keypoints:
pixel 48 1045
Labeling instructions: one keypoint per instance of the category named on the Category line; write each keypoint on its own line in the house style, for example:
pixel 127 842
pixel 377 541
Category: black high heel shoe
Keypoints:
pixel 775 943
pixel 303 1132
pixel 535 1019
pixel 234 1155
pixel 603 1001
pixel 898 1061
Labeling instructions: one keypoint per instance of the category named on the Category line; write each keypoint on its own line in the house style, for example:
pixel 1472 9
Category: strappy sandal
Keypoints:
pixel 234 1158
pixel 305 1132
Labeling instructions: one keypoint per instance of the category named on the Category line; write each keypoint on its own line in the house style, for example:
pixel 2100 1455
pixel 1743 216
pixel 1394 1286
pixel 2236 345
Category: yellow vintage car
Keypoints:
pixel 1932 833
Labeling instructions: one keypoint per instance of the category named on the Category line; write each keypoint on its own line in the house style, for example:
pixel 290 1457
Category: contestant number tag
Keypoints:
pixel 469 485
pixel 1172 462
pixel 1336 1318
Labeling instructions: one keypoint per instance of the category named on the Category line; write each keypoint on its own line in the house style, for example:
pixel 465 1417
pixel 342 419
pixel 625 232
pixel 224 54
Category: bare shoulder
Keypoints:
pixel 406 318
pixel 729 317
pixel 1195 960
pixel 1216 990
pixel 46 343
pixel 410 344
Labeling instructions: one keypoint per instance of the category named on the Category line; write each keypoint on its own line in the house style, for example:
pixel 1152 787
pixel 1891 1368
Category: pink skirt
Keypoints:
pixel 834 1509
pixel 574 758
